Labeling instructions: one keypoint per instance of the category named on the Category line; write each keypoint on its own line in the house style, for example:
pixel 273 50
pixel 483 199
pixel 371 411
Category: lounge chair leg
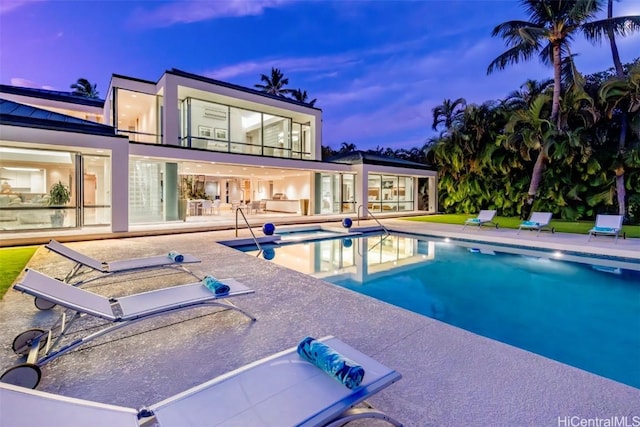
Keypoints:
pixel 361 413
pixel 232 306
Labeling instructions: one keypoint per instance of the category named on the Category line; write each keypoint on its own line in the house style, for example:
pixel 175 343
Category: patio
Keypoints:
pixel 450 376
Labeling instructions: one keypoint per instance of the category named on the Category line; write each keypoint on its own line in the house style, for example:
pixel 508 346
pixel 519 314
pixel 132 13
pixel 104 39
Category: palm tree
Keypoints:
pixel 549 32
pixel 529 90
pixel 301 96
pixel 610 27
pixel 275 85
pixel 82 87
pixel 529 130
pixel 347 147
pixel 448 113
pixel 594 32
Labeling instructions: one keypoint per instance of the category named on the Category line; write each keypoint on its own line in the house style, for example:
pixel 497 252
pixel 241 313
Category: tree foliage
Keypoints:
pixel 82 87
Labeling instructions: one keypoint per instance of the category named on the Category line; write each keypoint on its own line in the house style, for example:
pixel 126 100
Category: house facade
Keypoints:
pixel 157 152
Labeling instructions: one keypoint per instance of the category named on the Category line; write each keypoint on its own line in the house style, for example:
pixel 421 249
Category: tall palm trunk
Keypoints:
pixel 621 192
pixel 538 168
pixel 536 178
pixel 557 85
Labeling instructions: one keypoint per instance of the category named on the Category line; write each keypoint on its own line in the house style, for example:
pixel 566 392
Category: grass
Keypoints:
pixel 575 227
pixel 13 262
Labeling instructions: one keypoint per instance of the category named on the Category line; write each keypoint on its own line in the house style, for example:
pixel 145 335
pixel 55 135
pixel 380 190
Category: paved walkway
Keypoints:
pixel 451 377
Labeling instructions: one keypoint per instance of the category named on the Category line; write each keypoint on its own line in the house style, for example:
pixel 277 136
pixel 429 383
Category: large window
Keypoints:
pixel 390 193
pixel 96 189
pixel 218 127
pixel 300 141
pixel 26 179
pixel 137 115
pixel 337 193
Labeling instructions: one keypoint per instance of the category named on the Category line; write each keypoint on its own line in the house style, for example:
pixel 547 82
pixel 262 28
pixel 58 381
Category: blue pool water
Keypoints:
pixel 585 314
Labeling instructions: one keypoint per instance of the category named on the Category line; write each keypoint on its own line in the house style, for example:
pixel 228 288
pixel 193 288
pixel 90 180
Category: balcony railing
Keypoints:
pixel 242 148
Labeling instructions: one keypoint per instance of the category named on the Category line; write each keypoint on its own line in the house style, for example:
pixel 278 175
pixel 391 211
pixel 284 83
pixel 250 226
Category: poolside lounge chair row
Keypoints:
pixel 286 390
pixel 609 225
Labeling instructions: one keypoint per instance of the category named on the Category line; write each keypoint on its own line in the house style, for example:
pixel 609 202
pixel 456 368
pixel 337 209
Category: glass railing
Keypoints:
pixel 148 138
pixel 242 148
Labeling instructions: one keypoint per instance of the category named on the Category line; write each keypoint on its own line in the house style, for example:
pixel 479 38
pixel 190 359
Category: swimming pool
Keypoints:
pixel 584 312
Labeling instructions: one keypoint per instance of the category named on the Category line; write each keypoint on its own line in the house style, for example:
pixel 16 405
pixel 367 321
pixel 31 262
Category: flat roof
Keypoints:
pixel 365 157
pixel 187 75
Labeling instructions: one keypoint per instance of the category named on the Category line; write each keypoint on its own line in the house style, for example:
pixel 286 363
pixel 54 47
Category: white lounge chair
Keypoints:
pixel 281 390
pixel 115 267
pixel 484 217
pixel 608 225
pixel 85 264
pixel 121 312
pixel 537 221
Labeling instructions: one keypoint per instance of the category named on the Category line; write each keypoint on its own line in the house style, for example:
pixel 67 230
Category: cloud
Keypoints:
pixel 286 65
pixel 7 6
pixel 19 81
pixel 190 11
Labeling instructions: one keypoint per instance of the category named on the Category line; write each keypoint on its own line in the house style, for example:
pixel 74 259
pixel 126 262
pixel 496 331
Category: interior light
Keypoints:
pixel 21 169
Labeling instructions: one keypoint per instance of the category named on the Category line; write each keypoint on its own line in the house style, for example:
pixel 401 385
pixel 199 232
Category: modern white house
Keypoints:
pixel 185 145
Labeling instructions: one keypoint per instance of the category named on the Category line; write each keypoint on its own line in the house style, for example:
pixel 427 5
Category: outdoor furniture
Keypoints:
pixel 42 346
pixel 85 264
pixel 484 217
pixel 281 390
pixel 194 207
pixel 215 207
pixel 206 207
pixel 608 225
pixel 537 221
pixel 255 206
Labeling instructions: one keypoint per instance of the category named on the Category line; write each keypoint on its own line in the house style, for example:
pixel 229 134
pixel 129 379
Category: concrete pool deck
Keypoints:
pixel 451 377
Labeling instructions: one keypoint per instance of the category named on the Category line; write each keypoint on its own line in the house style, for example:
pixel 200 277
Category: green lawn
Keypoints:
pixel 577 227
pixel 13 262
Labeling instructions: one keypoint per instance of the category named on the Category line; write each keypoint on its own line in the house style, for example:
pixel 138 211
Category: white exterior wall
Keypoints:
pixel 168 85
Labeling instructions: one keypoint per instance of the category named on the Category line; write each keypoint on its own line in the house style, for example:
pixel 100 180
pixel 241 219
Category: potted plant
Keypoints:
pixel 183 200
pixel 59 195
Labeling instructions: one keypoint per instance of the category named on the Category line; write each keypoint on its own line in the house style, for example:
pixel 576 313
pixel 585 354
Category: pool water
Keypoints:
pixel 585 314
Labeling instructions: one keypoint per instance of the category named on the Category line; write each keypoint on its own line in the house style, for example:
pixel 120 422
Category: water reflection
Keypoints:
pixel 357 259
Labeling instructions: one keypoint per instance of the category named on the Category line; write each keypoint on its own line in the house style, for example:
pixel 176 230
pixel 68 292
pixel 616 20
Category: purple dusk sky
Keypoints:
pixel 377 68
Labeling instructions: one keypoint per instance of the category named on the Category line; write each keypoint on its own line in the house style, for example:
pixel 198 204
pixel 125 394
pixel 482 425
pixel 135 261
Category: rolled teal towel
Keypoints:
pixel 473 220
pixel 215 286
pixel 344 370
pixel 175 256
pixel 604 229
pixel 531 224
